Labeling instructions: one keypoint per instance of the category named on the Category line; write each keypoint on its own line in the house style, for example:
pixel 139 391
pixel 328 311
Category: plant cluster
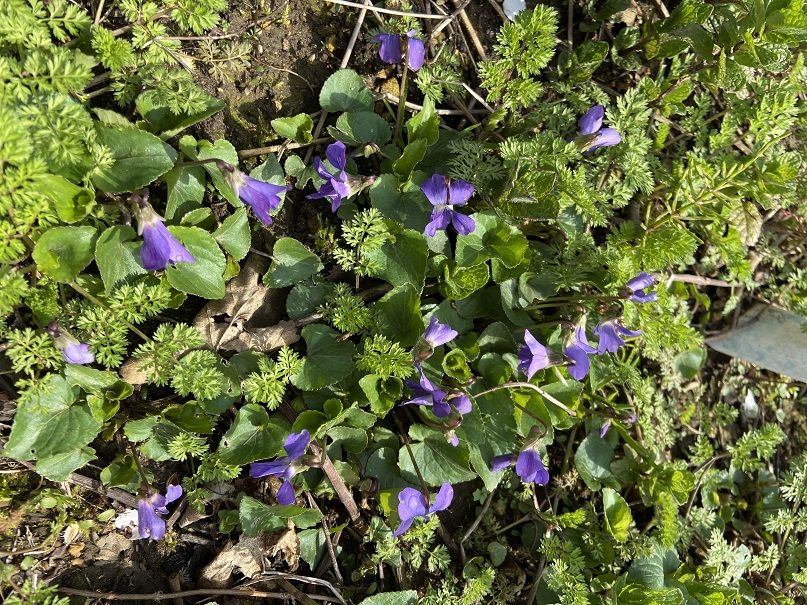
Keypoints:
pixel 494 308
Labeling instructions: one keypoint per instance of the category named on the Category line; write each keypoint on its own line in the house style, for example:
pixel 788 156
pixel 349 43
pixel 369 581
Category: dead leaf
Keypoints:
pixel 246 557
pixel 112 546
pixel 288 546
pixel 240 321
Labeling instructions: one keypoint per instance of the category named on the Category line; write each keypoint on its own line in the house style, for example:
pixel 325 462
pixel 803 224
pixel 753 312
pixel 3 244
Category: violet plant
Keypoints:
pixel 227 346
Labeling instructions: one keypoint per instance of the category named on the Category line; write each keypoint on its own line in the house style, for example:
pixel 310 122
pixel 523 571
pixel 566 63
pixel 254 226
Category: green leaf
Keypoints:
pixel 305 298
pixel 257 518
pixel 252 436
pixel 439 461
pixel 200 217
pixel 297 128
pixel 169 124
pixel 98 382
pixel 121 472
pixel 186 190
pixel 492 238
pixel 404 260
pixel 204 277
pixel 312 545
pixel 71 202
pixel 382 394
pixel 689 363
pixel 59 466
pixel 636 594
pixel 358 128
pixel 460 282
pixel 455 365
pixel 689 11
pixel 403 597
pixel 327 361
pixel 617 514
pixel 425 124
pixel 397 315
pixel 62 252
pixel 350 439
pixel 291 263
pixel 345 91
pixel 412 154
pixel 139 158
pixel 745 218
pixel 117 257
pixel 407 206
pixel 53 426
pixel 220 150
pixel 234 235
pixel 593 462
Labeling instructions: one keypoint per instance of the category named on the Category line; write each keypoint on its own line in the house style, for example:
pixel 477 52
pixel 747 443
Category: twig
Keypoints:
pixel 387 11
pixel 345 60
pixel 250 153
pixel 475 524
pixel 498 9
pixel 701 281
pixel 449 18
pixel 415 107
pixel 296 593
pixel 570 24
pixel 99 11
pixel 299 578
pixel 339 486
pixel 198 592
pixel 477 96
pixel 331 552
pixel 528 385
pixel 469 27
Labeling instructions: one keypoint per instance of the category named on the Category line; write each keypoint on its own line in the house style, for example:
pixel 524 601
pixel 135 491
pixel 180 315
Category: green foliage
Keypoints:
pixel 158 357
pixel 346 311
pixel 525 47
pixel 664 485
pixel 268 385
pixel 384 358
pixel 364 233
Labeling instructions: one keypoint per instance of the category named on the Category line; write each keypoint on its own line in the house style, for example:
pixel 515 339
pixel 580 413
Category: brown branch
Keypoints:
pixel 339 486
pixel 199 592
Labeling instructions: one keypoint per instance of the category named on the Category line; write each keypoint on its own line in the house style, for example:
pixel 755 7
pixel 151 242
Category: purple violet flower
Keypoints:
pixel 342 185
pixel 437 334
pixel 412 504
pixel 606 426
pixel 591 134
pixel 160 247
pixel 578 351
pixel 529 466
pixel 285 467
pixel 610 334
pixel 425 393
pixel 150 509
pixel 262 197
pixel 78 353
pixel 635 288
pixel 391 52
pixel 73 351
pixel 444 194
pixel 533 356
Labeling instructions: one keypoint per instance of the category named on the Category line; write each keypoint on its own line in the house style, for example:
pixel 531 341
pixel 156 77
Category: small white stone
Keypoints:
pixel 513 7
pixel 750 408
pixel 127 520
